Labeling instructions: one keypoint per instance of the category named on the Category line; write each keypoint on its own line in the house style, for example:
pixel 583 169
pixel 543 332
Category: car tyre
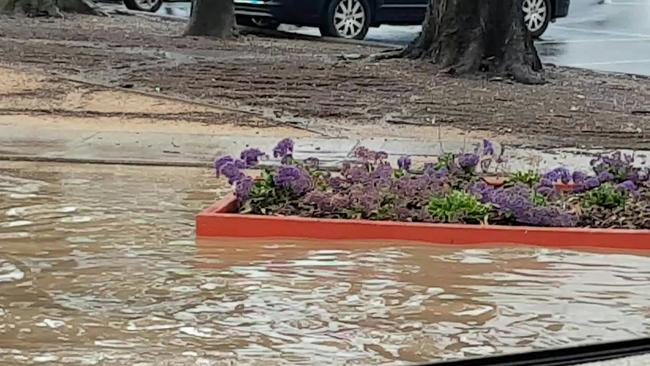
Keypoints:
pixel 537 16
pixel 346 19
pixel 151 6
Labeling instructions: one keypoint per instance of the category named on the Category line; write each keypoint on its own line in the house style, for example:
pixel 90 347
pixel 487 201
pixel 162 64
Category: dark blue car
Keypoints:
pixel 352 18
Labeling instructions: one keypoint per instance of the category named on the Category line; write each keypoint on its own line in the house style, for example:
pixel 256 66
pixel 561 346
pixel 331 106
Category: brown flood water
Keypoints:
pixel 99 266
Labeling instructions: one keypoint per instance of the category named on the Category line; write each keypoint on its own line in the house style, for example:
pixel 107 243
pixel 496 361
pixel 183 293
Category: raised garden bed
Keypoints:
pixel 443 202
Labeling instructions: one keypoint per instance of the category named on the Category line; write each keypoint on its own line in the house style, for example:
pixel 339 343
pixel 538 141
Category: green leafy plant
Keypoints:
pixel 458 207
pixel 263 196
pixel 538 199
pixel 445 160
pixel 528 177
pixel 398 173
pixel 266 195
pixel 607 196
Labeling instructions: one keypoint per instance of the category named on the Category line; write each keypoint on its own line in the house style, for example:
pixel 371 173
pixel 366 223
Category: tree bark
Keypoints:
pixel 212 18
pixel 471 36
pixel 51 8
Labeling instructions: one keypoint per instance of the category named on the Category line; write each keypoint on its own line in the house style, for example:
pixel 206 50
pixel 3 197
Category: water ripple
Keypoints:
pixel 99 261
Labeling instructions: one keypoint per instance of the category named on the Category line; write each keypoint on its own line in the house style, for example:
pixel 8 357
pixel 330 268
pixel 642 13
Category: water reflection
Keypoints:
pixel 98 265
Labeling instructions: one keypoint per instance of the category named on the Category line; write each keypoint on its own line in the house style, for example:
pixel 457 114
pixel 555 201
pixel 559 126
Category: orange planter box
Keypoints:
pixel 221 220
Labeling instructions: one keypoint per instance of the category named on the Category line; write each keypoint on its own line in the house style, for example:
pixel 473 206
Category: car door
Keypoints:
pixel 401 11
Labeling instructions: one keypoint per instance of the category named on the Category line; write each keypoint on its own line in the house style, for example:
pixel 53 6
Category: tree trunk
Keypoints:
pixel 212 18
pixel 51 8
pixel 471 36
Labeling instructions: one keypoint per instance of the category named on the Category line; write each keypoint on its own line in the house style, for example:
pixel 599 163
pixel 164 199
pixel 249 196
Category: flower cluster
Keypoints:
pixel 293 178
pixel 404 163
pixel 447 190
pixel 251 156
pixel 230 168
pixel 522 204
pixel 284 150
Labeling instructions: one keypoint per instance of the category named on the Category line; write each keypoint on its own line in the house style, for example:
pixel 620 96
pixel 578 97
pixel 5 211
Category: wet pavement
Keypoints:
pixel 99 266
pixel 173 148
pixel 605 35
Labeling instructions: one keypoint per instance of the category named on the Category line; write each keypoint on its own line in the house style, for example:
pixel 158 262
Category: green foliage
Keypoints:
pixel 528 177
pixel 446 160
pixel 265 197
pixel 458 207
pixel 538 199
pixel 607 196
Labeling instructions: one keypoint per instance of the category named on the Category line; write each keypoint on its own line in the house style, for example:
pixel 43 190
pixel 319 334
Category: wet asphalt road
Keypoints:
pixel 606 35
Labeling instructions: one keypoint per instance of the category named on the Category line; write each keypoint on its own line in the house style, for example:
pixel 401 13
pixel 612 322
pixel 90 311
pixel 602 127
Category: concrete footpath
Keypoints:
pixel 24 142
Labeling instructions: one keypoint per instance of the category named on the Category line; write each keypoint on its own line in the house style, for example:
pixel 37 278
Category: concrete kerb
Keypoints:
pixel 192 150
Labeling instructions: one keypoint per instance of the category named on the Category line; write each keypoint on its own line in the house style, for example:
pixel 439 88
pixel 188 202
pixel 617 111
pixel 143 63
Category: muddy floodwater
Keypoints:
pixel 99 266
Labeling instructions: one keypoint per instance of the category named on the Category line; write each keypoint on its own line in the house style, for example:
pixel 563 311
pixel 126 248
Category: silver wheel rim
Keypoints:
pixel 146 4
pixel 349 18
pixel 535 13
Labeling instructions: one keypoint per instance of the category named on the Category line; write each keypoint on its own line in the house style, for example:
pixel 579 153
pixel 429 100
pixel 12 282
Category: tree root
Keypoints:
pixel 87 7
pixel 50 8
pixel 388 55
pixel 526 75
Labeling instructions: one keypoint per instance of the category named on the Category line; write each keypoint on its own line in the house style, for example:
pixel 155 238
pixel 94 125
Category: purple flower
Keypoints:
pixel 283 149
pixel 251 156
pixel 219 163
pixel 381 155
pixel 468 161
pixel 591 183
pixel 546 182
pixel 404 162
pixel 364 154
pixel 231 171
pixel 293 178
pixel 481 190
pixel 356 173
pixel 312 163
pixel 365 200
pixel 337 183
pixel 617 164
pixel 559 173
pixel 488 147
pixel 382 171
pixel 578 177
pixel 243 188
pixel 547 216
pixel 517 202
pixel 327 203
pixel 605 176
pixel 628 186
pixel 429 169
pixel 437 174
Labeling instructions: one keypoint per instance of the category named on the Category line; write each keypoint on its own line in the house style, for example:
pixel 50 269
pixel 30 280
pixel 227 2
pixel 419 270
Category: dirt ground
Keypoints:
pixel 318 86
pixel 34 99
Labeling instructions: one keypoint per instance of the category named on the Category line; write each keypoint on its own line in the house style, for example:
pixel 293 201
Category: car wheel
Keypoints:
pixel 537 16
pixel 347 19
pixel 258 22
pixel 144 5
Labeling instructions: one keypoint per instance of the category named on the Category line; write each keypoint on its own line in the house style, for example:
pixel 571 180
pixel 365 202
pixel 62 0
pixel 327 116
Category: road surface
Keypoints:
pixel 606 35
